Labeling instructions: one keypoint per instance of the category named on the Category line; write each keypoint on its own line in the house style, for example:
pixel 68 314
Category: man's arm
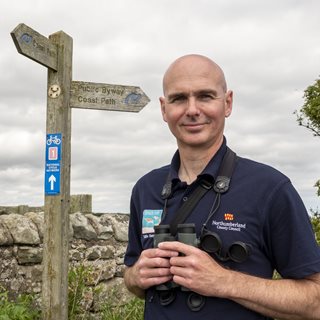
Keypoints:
pixel 284 299
pixel 281 299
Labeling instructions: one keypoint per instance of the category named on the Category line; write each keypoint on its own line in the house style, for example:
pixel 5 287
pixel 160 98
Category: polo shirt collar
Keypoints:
pixel 210 170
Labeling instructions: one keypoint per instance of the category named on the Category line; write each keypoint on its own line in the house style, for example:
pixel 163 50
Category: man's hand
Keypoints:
pixel 151 269
pixel 195 269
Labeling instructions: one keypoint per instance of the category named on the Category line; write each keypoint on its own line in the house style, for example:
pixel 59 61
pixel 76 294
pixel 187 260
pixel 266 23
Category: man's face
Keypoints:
pixel 195 103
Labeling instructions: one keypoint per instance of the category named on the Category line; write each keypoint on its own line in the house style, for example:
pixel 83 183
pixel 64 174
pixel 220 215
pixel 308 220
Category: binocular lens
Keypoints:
pixel 238 252
pixel 210 242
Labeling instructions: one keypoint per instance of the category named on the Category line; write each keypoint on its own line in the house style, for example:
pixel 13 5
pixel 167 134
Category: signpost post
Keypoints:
pixel 55 53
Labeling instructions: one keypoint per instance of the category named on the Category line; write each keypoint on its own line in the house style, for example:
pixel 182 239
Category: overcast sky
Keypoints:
pixel 269 50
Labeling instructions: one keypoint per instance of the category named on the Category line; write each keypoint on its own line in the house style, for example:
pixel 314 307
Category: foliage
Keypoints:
pixel 315 219
pixel 78 278
pixel 317 185
pixel 22 309
pixel 77 290
pixel 133 310
pixel 309 114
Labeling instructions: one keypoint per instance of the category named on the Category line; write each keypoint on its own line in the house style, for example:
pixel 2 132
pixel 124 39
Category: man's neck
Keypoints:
pixel 194 160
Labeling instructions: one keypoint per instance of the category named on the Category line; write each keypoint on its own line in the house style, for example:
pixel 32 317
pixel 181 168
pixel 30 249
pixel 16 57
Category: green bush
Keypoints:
pixel 315 220
pixel 21 309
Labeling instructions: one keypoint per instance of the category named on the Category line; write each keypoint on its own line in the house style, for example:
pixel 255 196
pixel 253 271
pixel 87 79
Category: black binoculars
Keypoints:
pixel 167 291
pixel 210 242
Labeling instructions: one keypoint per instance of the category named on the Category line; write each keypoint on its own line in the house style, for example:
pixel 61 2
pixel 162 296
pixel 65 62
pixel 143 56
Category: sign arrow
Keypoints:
pixel 101 96
pixel 35 46
pixel 52 180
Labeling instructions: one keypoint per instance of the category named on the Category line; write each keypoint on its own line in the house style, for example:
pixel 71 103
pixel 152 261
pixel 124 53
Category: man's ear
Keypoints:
pixel 163 108
pixel 228 103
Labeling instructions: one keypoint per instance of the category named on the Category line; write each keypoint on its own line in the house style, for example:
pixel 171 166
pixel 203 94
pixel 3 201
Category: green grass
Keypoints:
pixel 21 309
pixel 133 310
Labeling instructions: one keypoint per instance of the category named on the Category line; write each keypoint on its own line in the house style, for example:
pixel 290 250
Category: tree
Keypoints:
pixel 309 114
pixel 315 220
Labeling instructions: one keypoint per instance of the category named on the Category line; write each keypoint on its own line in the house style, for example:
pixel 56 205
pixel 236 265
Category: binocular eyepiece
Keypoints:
pixel 186 234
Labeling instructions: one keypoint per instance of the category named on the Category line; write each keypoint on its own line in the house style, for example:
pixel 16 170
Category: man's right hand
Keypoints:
pixel 151 269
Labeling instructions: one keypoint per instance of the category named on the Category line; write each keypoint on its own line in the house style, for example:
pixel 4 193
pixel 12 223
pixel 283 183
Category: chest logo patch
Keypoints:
pixel 150 218
pixel 228 223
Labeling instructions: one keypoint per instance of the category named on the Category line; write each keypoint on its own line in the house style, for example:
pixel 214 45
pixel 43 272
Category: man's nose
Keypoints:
pixel 192 107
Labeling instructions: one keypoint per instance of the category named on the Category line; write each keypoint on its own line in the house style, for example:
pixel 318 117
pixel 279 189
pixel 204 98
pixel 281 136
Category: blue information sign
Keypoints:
pixel 53 161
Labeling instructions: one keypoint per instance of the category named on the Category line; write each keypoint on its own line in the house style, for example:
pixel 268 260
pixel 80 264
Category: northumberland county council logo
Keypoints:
pixel 228 216
pixel 228 225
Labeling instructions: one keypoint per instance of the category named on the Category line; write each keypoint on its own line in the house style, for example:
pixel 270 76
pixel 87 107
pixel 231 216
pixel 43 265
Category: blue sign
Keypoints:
pixel 52 167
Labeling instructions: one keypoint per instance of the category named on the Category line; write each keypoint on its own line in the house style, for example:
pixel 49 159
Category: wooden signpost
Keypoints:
pixel 55 53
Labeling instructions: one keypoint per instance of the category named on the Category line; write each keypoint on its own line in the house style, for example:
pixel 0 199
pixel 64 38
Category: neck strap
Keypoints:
pixel 221 185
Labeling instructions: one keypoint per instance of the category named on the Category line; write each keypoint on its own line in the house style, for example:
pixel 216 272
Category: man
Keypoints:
pixel 261 211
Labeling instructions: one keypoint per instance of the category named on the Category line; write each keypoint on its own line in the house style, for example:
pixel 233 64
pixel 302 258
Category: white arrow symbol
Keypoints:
pixel 52 180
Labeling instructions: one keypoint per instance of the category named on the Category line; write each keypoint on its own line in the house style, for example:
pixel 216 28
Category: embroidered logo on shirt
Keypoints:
pixel 227 225
pixel 228 216
pixel 150 218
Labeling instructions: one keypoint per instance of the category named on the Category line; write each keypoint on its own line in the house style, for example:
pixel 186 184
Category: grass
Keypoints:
pixel 133 310
pixel 79 277
pixel 21 309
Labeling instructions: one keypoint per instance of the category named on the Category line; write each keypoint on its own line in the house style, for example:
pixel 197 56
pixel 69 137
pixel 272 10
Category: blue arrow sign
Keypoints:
pixel 52 167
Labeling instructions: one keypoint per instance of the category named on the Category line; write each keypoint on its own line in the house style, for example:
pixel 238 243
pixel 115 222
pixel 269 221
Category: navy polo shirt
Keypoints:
pixel 261 209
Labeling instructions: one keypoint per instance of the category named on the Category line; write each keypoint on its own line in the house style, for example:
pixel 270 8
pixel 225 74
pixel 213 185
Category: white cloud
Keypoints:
pixel 269 51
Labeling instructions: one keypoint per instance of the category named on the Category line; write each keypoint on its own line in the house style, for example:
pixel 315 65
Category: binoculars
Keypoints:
pixel 166 291
pixel 210 242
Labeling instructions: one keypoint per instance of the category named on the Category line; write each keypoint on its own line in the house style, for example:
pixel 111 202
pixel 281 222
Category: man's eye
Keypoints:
pixel 206 97
pixel 177 99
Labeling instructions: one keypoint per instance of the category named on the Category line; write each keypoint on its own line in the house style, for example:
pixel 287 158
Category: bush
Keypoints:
pixel 21 309
pixel 315 220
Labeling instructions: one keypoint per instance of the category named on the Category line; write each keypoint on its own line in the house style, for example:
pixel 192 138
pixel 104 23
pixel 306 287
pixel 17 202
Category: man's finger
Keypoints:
pixel 176 246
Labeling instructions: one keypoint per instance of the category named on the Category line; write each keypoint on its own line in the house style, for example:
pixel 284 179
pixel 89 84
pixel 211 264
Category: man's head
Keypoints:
pixel 193 62
pixel 196 101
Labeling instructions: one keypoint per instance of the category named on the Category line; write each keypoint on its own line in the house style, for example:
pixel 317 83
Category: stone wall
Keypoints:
pixel 97 242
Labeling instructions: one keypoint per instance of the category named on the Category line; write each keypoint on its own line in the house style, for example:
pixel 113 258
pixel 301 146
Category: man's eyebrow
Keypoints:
pixel 207 91
pixel 200 92
pixel 176 94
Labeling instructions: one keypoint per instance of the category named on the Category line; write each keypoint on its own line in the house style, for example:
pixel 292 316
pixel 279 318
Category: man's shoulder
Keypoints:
pixel 155 176
pixel 258 170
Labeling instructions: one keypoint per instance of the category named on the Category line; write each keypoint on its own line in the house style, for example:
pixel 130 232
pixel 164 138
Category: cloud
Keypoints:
pixel 269 52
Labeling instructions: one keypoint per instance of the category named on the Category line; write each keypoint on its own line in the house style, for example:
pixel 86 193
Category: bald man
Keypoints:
pixel 260 224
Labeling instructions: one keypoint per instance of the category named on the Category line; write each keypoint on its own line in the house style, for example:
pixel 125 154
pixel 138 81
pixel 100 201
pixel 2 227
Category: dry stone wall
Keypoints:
pixel 97 242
